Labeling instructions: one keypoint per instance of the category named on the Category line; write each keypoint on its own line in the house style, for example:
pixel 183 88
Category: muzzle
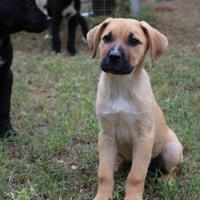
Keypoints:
pixel 116 62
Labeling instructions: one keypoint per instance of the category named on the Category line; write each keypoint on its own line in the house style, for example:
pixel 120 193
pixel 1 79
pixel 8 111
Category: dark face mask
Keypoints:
pixel 115 62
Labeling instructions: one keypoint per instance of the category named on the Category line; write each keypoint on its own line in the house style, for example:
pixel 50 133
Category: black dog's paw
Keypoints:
pixel 7 131
pixel 56 49
pixel 72 51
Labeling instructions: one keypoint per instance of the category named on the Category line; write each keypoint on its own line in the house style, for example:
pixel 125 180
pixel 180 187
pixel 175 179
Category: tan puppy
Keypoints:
pixel 132 124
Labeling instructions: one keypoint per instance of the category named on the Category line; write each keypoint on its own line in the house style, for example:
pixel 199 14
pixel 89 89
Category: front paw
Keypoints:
pixel 102 197
pixel 72 51
pixel 7 131
pixel 56 48
pixel 133 197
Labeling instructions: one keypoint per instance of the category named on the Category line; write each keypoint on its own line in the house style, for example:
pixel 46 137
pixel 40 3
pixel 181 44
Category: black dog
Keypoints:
pixel 15 15
pixel 57 9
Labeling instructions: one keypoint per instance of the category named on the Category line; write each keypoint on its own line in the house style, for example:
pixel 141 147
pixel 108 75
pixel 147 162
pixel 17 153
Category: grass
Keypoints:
pixel 53 108
pixel 55 155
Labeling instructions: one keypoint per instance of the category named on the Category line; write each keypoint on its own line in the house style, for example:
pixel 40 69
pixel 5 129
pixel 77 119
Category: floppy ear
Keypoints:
pixel 157 41
pixel 94 36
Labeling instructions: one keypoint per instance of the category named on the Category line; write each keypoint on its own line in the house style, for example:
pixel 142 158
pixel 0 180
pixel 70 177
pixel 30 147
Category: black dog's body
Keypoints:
pixel 55 10
pixel 15 15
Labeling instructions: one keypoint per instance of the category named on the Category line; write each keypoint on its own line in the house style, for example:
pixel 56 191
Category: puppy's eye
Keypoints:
pixel 107 38
pixel 133 41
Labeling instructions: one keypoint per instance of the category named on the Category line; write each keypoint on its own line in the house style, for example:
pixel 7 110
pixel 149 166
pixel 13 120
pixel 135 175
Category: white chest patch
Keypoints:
pixel 119 105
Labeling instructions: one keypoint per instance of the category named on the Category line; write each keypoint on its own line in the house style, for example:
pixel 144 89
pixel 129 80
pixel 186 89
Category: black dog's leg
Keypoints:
pixel 83 25
pixel 6 81
pixel 5 93
pixel 72 25
pixel 56 46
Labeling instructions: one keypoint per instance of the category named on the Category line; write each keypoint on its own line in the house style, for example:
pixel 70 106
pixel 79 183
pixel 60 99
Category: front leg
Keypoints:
pixel 107 157
pixel 56 44
pixel 142 152
pixel 6 81
pixel 72 26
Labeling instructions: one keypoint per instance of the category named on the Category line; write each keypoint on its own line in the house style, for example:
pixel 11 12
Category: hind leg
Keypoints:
pixel 83 25
pixel 172 154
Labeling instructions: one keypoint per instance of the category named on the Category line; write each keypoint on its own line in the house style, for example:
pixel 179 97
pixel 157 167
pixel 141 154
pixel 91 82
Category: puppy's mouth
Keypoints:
pixel 121 67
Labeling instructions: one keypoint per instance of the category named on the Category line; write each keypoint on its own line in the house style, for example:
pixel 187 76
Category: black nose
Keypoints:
pixel 115 55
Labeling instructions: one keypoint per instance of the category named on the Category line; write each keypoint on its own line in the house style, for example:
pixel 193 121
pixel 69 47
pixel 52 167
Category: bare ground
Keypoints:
pixel 180 21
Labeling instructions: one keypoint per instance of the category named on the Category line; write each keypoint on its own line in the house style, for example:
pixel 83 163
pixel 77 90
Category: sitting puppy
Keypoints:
pixel 132 124
pixel 58 9
pixel 15 15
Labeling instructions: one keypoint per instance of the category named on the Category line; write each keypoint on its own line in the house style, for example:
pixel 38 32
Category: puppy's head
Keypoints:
pixel 123 44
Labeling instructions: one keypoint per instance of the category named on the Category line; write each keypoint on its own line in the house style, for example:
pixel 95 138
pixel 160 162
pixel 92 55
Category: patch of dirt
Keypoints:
pixel 192 87
pixel 180 22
